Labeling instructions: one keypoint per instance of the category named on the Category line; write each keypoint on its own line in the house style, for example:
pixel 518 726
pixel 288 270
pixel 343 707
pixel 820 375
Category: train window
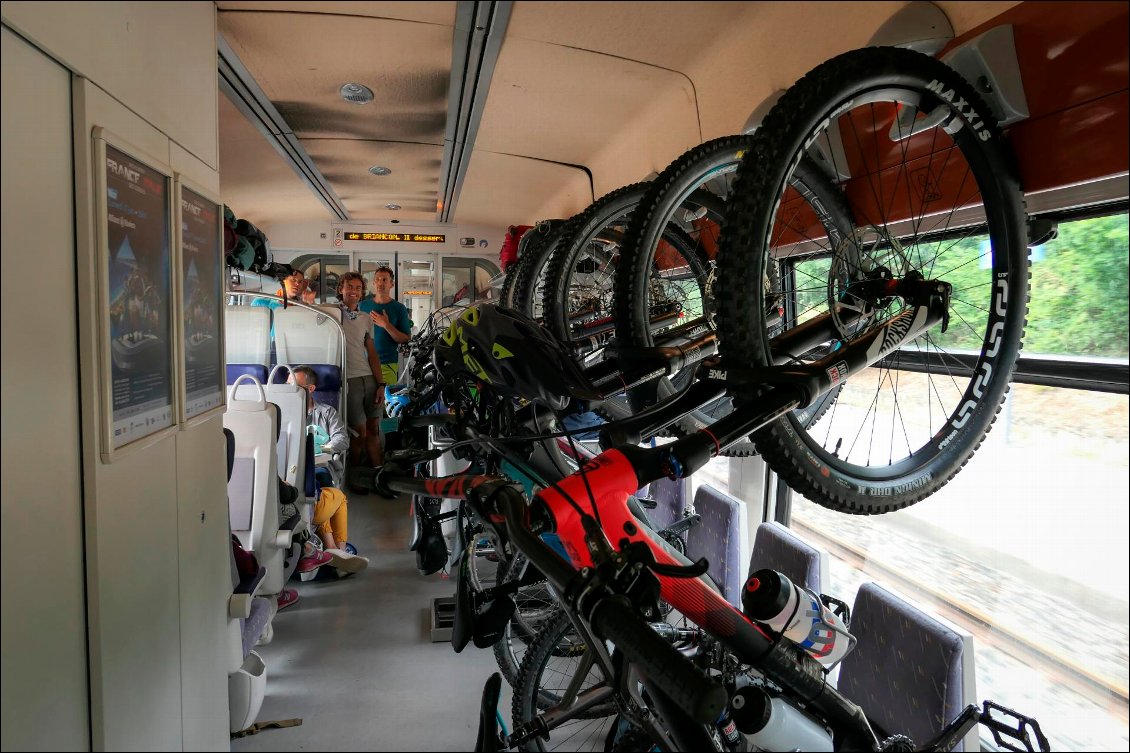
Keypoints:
pixel 322 273
pixel 1027 547
pixel 467 280
pixel 1078 305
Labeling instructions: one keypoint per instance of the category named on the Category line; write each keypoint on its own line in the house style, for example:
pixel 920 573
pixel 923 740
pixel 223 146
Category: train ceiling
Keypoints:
pixel 499 113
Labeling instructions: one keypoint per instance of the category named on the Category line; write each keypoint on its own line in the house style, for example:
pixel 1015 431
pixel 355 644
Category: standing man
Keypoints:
pixel 363 376
pixel 391 325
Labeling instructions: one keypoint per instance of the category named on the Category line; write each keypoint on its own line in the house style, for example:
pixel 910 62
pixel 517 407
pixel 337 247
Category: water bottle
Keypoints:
pixel 729 731
pixel 775 724
pixel 772 599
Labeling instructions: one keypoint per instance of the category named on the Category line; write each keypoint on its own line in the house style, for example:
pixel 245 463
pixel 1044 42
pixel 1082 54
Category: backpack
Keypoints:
pixel 509 253
pixel 258 241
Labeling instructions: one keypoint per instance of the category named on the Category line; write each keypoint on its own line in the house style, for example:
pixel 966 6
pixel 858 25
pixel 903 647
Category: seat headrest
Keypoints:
pixel 229 437
pixel 329 377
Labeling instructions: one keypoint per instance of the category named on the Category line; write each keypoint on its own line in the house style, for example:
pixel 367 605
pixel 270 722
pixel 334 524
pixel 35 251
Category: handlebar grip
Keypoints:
pixel 690 688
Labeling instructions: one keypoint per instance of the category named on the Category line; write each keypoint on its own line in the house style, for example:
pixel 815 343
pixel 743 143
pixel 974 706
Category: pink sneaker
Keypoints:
pixel 287 597
pixel 314 561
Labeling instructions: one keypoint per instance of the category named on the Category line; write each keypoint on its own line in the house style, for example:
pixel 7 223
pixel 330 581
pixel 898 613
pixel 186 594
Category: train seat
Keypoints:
pixel 303 338
pixel 670 497
pixel 911 672
pixel 719 538
pixel 778 548
pixel 253 491
pixel 247 342
pixel 249 618
pixel 291 402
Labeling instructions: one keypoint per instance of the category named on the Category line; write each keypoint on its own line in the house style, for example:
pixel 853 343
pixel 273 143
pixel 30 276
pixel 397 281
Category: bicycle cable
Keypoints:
pixel 585 479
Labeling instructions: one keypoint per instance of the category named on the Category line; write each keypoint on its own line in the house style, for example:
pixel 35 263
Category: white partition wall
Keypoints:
pixel 137 666
pixel 45 701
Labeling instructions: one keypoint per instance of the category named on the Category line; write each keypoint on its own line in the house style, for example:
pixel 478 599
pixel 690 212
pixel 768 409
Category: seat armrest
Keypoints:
pixel 239 605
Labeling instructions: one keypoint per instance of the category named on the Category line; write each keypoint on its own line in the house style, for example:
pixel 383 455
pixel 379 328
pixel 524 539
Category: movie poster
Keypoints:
pixel 203 287
pixel 137 231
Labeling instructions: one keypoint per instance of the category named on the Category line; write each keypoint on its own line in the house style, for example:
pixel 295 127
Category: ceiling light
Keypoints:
pixel 380 170
pixel 357 93
pixel 393 207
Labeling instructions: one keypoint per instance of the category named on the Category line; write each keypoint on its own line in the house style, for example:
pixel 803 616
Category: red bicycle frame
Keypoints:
pixel 612 478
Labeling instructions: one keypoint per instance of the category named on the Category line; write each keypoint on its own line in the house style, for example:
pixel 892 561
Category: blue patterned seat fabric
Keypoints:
pixel 718 538
pixel 777 548
pixel 670 496
pixel 907 671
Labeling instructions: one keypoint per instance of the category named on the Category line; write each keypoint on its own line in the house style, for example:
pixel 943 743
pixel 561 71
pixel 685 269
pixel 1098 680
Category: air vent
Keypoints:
pixel 357 93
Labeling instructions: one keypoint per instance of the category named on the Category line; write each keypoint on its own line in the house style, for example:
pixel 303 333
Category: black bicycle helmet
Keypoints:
pixel 512 355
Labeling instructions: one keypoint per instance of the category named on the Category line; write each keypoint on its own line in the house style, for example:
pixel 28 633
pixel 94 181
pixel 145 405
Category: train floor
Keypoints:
pixel 353 657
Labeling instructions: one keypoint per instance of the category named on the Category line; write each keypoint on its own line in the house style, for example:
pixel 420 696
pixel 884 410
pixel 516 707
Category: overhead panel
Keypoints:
pixel 502 190
pixel 620 118
pixel 301 59
pixel 413 184
pixel 255 181
pixel 441 13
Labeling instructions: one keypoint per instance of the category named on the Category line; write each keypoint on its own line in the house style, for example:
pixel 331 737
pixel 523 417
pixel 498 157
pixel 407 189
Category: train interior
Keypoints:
pixel 333 138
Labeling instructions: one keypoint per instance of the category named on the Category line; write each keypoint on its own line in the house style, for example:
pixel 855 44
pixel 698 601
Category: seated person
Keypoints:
pixel 293 286
pixel 326 421
pixel 331 511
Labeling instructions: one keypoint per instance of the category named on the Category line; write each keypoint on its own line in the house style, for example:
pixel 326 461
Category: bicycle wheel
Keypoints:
pixel 932 191
pixel 556 659
pixel 687 200
pixel 577 297
pixel 529 271
pixel 532 237
pixel 536 608
pixel 487 561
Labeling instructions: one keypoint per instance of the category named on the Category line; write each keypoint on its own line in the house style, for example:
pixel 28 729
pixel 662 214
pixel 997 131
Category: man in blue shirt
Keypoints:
pixel 391 325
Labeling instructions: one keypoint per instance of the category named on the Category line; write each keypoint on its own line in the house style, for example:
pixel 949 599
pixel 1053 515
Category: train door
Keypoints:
pixel 368 263
pixel 416 285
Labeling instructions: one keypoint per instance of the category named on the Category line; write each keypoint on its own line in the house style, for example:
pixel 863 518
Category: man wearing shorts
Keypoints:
pixel 391 324
pixel 363 375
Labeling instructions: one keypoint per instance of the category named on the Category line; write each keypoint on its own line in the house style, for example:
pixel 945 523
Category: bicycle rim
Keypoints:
pixel 577 297
pixel 907 145
pixel 547 671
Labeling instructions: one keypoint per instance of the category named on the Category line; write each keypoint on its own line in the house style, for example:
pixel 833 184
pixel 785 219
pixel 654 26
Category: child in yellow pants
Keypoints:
pixel 331 523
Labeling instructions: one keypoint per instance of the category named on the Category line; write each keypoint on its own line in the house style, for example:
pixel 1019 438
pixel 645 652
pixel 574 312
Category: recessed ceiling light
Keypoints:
pixel 380 170
pixel 393 207
pixel 356 93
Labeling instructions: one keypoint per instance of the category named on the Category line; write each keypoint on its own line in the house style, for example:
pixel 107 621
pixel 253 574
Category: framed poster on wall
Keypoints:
pixel 134 209
pixel 200 262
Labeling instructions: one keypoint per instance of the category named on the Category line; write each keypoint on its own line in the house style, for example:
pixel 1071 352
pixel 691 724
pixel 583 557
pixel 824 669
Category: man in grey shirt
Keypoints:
pixel 363 376
pixel 327 419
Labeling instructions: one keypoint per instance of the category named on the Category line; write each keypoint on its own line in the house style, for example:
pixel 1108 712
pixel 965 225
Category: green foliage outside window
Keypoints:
pixel 1078 303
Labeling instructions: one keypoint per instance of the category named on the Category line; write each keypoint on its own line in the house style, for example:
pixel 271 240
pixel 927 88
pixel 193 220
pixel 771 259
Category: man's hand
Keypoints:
pixel 379 318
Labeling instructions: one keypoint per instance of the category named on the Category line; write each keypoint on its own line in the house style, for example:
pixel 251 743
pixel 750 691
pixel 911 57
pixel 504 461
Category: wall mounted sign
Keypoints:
pixel 201 268
pixel 398 237
pixel 138 292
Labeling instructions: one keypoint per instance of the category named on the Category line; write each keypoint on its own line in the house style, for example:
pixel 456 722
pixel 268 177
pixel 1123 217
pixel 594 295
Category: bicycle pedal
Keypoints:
pixel 1009 737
